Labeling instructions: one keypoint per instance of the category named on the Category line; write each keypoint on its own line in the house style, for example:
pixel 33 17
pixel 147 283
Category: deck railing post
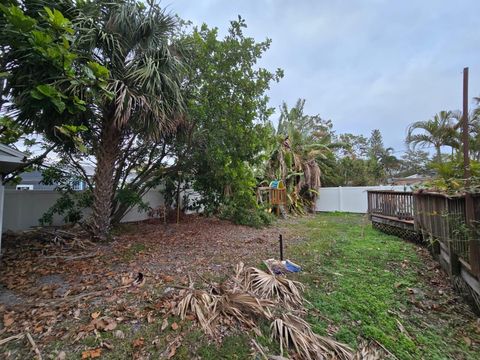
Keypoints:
pixel 474 247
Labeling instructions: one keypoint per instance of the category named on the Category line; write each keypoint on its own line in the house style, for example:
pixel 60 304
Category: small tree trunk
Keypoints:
pixel 439 154
pixel 103 179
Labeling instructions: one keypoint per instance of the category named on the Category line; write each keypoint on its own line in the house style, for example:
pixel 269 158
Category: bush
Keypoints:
pixel 240 214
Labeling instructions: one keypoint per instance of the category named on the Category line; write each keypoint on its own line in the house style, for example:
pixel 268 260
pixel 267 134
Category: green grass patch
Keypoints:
pixel 358 279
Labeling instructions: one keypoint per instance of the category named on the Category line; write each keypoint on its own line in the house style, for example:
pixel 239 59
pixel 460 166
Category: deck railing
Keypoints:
pixel 393 204
pixel 442 222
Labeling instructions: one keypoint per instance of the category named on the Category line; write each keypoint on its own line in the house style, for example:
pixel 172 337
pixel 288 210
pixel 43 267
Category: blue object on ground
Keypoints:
pixel 292 267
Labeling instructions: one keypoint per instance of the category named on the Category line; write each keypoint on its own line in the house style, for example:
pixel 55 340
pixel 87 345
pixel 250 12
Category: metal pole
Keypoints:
pixel 474 256
pixel 178 197
pixel 280 238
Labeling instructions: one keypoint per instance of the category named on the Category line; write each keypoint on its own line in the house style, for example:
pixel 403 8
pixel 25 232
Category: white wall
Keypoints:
pixel 22 209
pixel 348 199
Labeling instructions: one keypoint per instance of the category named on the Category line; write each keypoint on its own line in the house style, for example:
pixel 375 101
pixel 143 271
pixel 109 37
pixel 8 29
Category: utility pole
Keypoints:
pixel 465 133
pixel 474 256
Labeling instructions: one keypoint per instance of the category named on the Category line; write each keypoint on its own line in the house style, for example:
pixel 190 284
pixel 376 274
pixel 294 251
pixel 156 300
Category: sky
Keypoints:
pixel 364 64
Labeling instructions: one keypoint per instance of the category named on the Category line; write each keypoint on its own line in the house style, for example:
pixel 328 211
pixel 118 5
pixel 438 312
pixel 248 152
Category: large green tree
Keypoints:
pixel 228 115
pixel 117 72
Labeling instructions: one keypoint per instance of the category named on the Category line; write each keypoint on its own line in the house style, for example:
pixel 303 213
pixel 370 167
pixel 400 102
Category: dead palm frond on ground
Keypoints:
pixel 278 288
pixel 292 331
pixel 251 295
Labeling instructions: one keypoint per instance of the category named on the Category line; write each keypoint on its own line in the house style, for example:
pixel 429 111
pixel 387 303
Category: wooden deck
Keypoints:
pixel 439 221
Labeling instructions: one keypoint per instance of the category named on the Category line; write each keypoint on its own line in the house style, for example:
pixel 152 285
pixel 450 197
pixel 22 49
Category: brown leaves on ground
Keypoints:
pixel 92 354
pixel 49 284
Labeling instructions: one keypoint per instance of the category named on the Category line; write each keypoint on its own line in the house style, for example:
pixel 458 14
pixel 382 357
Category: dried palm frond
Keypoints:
pixel 244 308
pixel 201 304
pixel 292 331
pixel 270 286
pixel 367 352
pixel 373 350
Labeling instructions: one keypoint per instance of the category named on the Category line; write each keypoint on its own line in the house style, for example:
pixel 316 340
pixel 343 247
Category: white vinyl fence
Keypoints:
pixel 23 208
pixel 349 199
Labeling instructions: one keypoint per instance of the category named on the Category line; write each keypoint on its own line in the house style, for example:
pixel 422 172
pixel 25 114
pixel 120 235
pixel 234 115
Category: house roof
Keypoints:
pixel 10 159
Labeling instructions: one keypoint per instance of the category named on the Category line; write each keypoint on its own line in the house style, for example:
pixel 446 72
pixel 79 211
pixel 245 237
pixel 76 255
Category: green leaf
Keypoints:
pixel 16 17
pixel 59 104
pixel 47 90
pixel 100 71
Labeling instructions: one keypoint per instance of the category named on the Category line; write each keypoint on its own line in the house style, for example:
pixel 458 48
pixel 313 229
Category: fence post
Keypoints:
pixel 2 195
pixel 474 256
pixel 340 199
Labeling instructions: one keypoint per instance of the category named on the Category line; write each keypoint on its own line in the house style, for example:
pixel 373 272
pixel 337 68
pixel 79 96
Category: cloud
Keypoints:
pixel 364 64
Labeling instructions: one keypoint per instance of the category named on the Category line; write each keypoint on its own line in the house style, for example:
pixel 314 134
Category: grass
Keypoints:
pixel 359 279
pixel 359 282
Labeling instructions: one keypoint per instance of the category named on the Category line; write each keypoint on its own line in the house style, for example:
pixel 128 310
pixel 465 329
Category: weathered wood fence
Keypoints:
pixel 441 221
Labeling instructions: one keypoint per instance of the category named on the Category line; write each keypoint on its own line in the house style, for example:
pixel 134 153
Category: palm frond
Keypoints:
pixel 278 288
pixel 292 331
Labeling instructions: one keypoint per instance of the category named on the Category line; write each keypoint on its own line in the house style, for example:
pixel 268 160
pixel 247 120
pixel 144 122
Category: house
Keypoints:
pixel 33 180
pixel 411 180
pixel 10 160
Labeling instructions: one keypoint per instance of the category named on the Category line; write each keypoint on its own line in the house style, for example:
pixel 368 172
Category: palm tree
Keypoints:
pixel 134 42
pixel 438 131
pixel 302 142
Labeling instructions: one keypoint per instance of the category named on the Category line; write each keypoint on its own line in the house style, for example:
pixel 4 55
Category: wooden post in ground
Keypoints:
pixel 474 256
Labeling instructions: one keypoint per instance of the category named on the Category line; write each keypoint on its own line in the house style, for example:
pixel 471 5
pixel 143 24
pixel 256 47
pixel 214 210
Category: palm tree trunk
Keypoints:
pixel 439 154
pixel 103 179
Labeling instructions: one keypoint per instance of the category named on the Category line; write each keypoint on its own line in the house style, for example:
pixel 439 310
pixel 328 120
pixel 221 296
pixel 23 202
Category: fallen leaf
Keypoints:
pixel 104 323
pixel 91 354
pixel 38 329
pixel 119 334
pixel 138 342
pixel 62 355
pixel 107 345
pixel 150 318
pixel 76 314
pixel 164 324
pixel 127 280
pixel 8 319
pixel 168 278
pixel 95 314
pixel 174 326
pixel 172 352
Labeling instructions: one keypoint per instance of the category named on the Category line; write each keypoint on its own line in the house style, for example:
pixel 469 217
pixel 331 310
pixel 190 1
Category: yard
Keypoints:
pixel 362 286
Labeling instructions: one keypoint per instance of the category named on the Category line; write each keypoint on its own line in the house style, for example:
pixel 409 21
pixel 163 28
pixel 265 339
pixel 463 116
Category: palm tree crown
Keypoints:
pixel 438 131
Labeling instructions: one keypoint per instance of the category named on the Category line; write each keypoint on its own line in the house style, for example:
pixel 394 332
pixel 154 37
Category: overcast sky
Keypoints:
pixel 365 64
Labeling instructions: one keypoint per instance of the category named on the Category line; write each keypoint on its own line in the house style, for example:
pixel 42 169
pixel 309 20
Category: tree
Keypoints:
pixel 414 162
pixel 121 76
pixel 437 132
pixel 227 125
pixel 304 144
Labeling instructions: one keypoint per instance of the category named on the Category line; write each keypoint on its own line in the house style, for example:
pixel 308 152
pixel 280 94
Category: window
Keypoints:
pixel 77 185
pixel 24 187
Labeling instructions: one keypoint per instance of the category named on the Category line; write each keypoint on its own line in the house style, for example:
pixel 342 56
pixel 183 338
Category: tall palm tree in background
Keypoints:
pixel 134 42
pixel 437 132
pixel 302 141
